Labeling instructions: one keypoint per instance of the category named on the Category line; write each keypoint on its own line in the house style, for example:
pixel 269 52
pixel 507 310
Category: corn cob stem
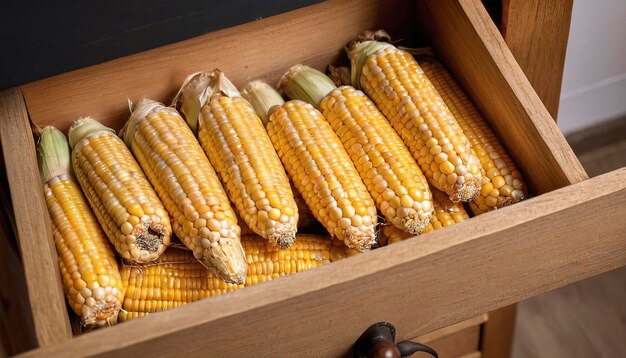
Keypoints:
pixel 391 175
pixel 119 193
pixel 267 103
pixel 502 182
pixel 184 179
pixel 306 84
pixel 239 148
pixel 90 275
pixel 395 82
pixel 318 166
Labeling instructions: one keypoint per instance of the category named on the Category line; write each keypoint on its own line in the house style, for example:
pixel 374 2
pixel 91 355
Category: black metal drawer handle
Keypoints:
pixel 378 341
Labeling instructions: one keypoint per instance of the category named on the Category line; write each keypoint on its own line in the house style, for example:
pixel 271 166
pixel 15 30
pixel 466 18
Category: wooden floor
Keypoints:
pixel 588 318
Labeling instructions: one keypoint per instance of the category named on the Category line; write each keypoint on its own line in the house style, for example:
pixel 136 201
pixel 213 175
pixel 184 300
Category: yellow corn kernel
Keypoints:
pixel 395 82
pixel 445 214
pixel 184 179
pixel 391 175
pixel 91 279
pixel 319 167
pixel 118 192
pixel 305 217
pixel 236 143
pixel 182 279
pixel 502 182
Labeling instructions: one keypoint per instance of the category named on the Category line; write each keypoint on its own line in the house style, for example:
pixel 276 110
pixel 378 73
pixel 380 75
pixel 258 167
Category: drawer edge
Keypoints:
pixel 32 223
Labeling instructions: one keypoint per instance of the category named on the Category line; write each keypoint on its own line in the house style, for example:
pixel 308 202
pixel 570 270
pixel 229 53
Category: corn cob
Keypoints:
pixel 395 82
pixel 391 175
pixel 118 192
pixel 91 279
pixel 176 278
pixel 446 213
pixel 318 166
pixel 174 163
pixel 502 182
pixel 237 145
pixel 305 217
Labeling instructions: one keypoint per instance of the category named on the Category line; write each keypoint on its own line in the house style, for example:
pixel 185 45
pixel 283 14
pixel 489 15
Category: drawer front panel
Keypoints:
pixel 419 285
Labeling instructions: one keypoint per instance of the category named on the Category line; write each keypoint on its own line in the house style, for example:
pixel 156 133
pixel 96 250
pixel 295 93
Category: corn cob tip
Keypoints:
pixel 227 261
pixel 102 314
pixel 339 75
pixel 307 84
pixel 138 112
pixel 415 226
pixel 151 235
pixel 500 202
pixel 358 239
pixel 263 98
pixel 468 190
pixel 359 49
pixel 53 154
pixel 83 127
pixel 283 240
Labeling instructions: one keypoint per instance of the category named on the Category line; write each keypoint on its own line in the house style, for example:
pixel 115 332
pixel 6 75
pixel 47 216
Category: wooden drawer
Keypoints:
pixel 573 227
pixel 456 340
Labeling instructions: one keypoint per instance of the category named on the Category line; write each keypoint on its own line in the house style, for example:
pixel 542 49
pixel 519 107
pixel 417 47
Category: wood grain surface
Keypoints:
pixel 456 344
pixel 461 271
pixel 585 319
pixel 17 332
pixel 601 148
pixel 32 224
pixel 465 37
pixel 442 332
pixel 497 335
pixel 476 354
pixel 537 31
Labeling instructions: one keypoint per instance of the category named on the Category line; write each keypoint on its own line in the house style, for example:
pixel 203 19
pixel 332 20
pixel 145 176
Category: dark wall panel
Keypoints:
pixel 44 38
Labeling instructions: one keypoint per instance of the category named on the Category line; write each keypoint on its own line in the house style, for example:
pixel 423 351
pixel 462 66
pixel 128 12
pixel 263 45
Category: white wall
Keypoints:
pixel 594 79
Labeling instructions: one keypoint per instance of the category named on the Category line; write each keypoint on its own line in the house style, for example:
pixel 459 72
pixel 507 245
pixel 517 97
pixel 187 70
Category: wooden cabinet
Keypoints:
pixel 571 228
